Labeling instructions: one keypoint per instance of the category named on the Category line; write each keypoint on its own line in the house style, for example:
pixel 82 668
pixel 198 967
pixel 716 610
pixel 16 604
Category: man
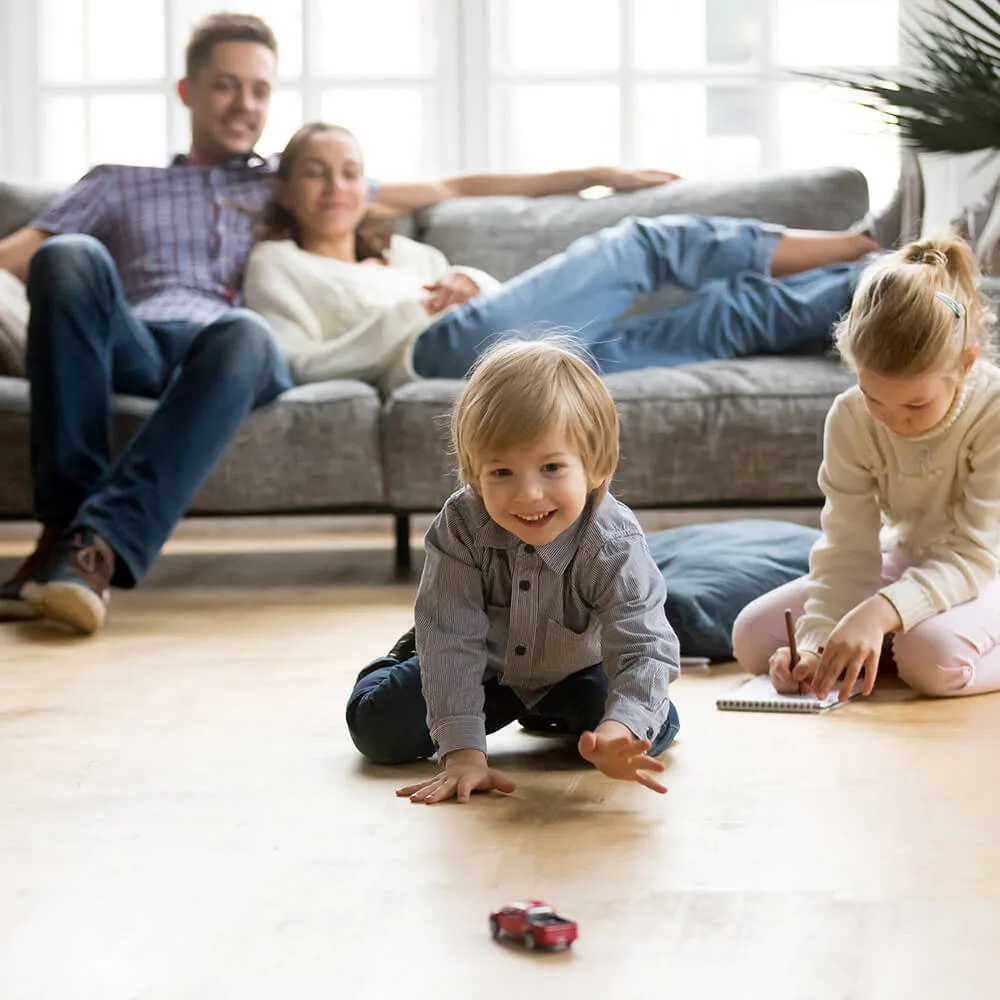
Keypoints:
pixel 133 279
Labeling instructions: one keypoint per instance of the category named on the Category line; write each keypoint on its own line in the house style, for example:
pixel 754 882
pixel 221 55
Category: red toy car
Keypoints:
pixel 537 925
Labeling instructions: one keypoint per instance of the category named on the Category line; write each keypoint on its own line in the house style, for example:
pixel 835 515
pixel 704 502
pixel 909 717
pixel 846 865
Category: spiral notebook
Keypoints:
pixel 758 695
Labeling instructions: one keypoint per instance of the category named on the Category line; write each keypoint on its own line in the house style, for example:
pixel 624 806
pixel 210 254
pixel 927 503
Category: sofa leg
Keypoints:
pixel 404 562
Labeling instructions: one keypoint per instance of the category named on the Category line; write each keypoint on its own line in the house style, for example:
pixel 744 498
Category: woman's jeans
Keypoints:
pixel 387 714
pixel 84 343
pixel 736 308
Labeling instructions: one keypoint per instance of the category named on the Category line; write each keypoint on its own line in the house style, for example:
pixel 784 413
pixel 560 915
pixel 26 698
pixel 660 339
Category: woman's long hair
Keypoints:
pixel 371 238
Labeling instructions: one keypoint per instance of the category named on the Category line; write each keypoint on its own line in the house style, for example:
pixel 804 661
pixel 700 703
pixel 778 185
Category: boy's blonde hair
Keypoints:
pixel 916 311
pixel 518 391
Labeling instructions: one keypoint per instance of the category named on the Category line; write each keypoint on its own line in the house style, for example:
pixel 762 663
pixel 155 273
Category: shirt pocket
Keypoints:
pixel 567 651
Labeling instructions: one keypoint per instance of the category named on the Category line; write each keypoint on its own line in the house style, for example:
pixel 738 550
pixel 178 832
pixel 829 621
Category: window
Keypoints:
pixel 704 87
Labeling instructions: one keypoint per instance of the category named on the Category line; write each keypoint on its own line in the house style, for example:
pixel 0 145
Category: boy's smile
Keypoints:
pixel 536 491
pixel 536 520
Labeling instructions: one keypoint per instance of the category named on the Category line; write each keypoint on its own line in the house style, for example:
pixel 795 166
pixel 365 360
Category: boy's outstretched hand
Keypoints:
pixel 464 772
pixel 615 752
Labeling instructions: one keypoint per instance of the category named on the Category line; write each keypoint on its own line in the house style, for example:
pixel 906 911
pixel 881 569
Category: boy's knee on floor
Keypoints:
pixel 379 730
pixel 378 741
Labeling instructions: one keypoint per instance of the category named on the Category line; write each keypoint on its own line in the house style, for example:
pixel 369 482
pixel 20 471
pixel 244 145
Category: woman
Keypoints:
pixel 348 301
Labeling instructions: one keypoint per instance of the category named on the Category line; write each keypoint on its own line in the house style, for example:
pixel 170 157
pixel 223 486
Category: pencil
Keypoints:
pixel 790 628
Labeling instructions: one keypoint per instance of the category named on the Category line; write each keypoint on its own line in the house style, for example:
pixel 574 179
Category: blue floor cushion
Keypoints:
pixel 713 571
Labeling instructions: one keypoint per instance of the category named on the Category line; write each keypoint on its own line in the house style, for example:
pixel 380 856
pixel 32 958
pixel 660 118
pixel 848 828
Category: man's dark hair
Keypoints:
pixel 225 27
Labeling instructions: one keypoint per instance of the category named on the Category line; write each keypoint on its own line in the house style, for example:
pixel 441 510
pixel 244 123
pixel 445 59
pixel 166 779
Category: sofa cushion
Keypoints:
pixel 713 571
pixel 506 235
pixel 745 431
pixel 314 449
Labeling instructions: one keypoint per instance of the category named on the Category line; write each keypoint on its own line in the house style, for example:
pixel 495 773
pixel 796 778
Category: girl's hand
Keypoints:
pixel 615 752
pixel 451 290
pixel 465 772
pixel 786 680
pixel 855 645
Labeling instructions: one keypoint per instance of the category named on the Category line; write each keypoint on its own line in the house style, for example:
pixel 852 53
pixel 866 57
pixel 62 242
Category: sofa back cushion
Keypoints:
pixel 507 235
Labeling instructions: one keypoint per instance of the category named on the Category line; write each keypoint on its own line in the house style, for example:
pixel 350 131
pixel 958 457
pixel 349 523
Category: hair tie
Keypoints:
pixel 956 307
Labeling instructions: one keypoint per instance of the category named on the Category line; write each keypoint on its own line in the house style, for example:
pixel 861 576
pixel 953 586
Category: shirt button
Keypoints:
pixel 649 733
pixel 520 650
pixel 525 585
pixel 530 549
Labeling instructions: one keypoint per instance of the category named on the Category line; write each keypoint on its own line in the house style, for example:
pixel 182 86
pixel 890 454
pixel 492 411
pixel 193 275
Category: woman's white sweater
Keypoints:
pixel 335 319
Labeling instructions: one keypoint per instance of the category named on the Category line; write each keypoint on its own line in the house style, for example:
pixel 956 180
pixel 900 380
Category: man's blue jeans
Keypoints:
pixel 84 344
pixel 737 309
pixel 387 714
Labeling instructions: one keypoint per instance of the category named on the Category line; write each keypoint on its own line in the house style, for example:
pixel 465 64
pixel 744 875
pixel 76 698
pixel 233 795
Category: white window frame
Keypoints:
pixel 466 92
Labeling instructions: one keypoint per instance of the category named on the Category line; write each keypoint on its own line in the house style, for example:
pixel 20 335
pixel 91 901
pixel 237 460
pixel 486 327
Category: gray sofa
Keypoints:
pixel 744 432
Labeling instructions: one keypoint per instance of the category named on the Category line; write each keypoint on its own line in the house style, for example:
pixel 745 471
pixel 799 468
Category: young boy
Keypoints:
pixel 534 576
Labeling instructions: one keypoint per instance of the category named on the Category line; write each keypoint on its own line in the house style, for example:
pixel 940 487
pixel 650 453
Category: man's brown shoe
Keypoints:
pixel 77 588
pixel 13 606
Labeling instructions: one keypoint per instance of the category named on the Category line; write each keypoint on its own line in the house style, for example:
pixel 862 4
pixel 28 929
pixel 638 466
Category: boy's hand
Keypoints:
pixel 855 645
pixel 797 681
pixel 465 772
pixel 615 752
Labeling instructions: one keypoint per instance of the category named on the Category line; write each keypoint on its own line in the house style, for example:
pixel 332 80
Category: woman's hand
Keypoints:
pixel 451 290
pixel 855 645
pixel 465 772
pixel 621 179
pixel 786 680
pixel 615 752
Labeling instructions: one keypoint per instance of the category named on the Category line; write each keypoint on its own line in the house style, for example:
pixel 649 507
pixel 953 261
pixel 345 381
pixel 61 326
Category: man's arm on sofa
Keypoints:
pixel 402 197
pixel 17 250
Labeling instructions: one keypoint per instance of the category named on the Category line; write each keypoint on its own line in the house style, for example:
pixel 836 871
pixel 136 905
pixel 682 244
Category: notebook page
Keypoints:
pixel 759 694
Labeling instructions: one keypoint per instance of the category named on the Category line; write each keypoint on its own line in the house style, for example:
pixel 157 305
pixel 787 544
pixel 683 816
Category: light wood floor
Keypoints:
pixel 182 815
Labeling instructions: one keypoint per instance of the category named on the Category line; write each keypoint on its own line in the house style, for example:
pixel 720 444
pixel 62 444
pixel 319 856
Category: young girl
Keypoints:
pixel 911 475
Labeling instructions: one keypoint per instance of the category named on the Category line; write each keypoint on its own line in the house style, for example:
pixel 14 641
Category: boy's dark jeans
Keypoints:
pixel 387 715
